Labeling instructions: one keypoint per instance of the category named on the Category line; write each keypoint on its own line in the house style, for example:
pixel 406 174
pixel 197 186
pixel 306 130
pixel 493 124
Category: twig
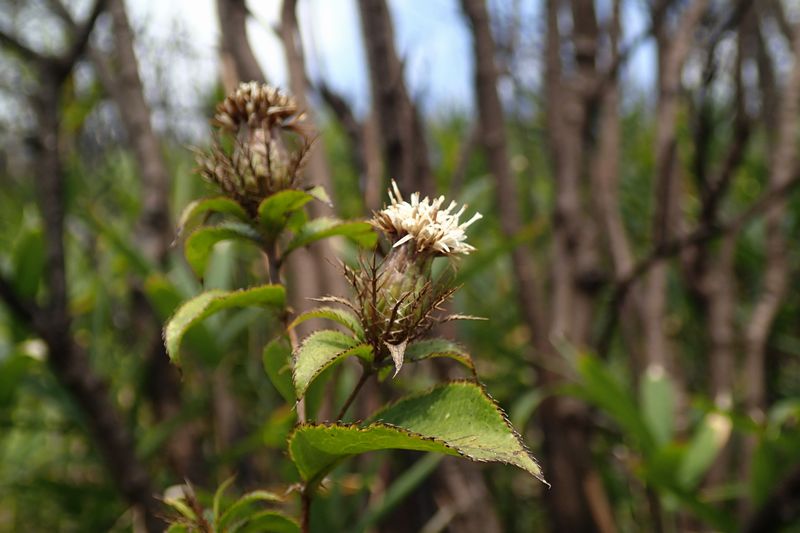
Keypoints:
pixel 670 248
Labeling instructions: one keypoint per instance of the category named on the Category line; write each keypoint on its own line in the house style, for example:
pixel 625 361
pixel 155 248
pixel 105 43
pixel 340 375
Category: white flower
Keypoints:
pixel 432 228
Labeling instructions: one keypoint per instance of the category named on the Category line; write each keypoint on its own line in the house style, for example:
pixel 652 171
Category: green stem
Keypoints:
pixel 364 377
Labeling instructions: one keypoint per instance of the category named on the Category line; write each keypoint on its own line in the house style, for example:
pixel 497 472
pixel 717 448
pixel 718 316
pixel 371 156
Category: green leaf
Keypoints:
pixel 321 350
pixel 244 507
pixel 268 522
pixel 181 507
pixel 178 528
pixel 275 210
pixel 456 418
pixel 601 388
pixel 657 397
pixel 278 366
pixel 430 348
pixel 707 441
pixel 28 263
pixel 319 192
pixel 199 244
pixel 12 371
pixel 324 227
pixel 220 492
pixel 165 299
pixel 210 302
pixel 340 316
pixel 219 204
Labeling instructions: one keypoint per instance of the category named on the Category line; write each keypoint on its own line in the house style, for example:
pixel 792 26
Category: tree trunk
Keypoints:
pixel 235 49
pixel 401 130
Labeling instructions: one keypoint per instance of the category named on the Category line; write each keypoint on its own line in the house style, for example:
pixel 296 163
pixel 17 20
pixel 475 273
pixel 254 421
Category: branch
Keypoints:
pixel 673 247
pixel 20 49
pixel 81 36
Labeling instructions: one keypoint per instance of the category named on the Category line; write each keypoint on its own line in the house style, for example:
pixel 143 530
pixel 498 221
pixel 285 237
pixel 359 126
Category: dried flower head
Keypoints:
pixel 261 146
pixel 257 106
pixel 432 229
pixel 397 302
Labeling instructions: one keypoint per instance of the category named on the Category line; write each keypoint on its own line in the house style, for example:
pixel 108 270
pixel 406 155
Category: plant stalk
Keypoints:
pixel 305 511
pixel 362 380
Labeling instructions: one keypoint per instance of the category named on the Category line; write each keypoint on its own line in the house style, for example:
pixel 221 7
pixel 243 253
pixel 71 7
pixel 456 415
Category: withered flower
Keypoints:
pixel 260 146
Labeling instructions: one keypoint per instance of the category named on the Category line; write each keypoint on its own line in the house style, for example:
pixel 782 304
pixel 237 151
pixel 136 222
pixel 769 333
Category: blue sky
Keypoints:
pixel 431 36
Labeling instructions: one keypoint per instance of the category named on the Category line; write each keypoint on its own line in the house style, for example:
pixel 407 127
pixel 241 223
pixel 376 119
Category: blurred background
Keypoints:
pixel 636 163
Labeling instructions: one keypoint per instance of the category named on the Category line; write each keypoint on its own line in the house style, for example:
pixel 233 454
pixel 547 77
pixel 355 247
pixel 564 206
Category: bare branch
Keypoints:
pixel 15 46
pixel 673 247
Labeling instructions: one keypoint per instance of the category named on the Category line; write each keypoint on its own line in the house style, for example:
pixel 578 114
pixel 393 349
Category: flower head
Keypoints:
pixel 431 228
pixel 257 106
pixel 261 145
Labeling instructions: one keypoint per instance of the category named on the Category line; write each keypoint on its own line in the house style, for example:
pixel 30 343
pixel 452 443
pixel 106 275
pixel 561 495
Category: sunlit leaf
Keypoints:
pixel 275 210
pixel 203 206
pixel 340 316
pixel 321 350
pixel 456 418
pixel 210 302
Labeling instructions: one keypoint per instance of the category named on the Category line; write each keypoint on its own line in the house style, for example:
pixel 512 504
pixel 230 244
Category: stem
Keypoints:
pixel 274 273
pixel 305 512
pixel 364 377
pixel 273 263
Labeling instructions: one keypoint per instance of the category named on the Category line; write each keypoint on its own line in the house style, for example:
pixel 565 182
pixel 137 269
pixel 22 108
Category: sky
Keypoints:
pixel 430 33
pixel 431 36
pixel 177 48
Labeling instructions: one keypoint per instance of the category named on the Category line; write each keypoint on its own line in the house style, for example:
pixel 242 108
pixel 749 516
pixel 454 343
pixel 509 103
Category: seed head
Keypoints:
pixel 260 147
pixel 257 106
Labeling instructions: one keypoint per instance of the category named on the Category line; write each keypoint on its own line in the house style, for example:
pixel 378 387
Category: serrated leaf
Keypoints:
pixel 324 227
pixel 431 348
pixel 199 244
pixel 277 359
pixel 219 204
pixel 657 397
pixel 166 299
pixel 275 210
pixel 340 316
pixel 268 522
pixel 210 302
pixel 319 351
pixel 456 418
pixel 244 506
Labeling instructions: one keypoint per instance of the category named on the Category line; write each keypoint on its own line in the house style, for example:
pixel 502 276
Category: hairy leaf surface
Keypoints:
pixel 456 418
pixel 210 302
